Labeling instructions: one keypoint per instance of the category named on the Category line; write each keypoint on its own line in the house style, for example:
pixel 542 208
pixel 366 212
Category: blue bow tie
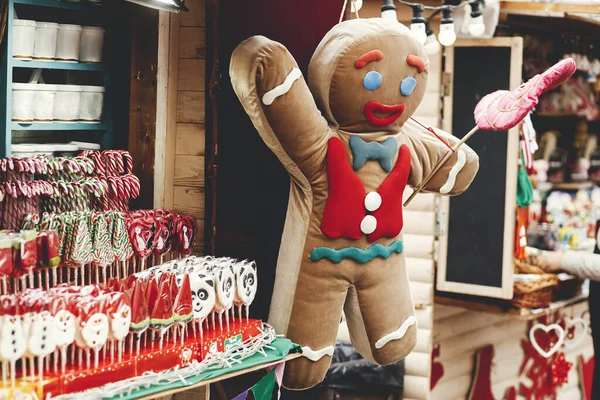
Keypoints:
pixel 382 152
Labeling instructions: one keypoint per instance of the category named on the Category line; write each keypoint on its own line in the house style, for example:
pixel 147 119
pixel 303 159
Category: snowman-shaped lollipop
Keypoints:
pixel 12 341
pixel 42 340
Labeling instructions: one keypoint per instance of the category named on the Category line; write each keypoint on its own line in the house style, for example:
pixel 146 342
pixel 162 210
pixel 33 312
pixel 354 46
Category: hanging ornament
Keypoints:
pixel 560 370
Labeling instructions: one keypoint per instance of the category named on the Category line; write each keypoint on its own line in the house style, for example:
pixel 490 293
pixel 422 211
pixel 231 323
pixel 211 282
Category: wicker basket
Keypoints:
pixel 533 294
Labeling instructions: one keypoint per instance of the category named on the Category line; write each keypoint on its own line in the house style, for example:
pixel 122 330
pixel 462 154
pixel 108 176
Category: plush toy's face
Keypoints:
pixel 379 83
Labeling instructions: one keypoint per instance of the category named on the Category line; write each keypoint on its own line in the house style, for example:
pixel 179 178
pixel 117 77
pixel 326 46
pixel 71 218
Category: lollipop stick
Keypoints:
pixel 13 367
pixel 41 368
pixel 439 165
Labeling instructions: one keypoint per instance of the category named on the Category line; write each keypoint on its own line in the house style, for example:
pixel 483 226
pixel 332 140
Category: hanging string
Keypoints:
pixel 433 131
pixel 343 11
pixel 355 9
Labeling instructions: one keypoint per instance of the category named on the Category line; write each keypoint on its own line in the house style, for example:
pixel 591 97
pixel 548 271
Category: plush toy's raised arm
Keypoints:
pixel 271 88
pixel 427 149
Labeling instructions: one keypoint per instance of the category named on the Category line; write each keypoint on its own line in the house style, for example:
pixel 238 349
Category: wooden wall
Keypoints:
pixel 459 333
pixel 185 137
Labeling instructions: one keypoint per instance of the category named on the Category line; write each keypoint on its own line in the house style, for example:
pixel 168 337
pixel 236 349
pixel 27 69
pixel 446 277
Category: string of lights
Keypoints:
pixel 447 35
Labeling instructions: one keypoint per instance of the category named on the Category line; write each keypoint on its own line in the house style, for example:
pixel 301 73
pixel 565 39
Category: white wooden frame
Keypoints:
pixel 506 291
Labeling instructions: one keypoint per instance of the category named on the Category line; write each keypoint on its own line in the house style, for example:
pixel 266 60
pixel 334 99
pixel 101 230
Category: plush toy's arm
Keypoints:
pixel 271 88
pixel 457 173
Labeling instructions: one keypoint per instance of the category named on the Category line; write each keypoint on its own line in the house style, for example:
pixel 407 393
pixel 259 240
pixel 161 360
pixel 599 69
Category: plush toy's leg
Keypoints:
pixel 380 312
pixel 314 324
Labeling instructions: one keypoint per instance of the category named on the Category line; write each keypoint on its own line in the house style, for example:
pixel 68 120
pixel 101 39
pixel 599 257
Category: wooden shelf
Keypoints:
pixel 566 186
pixel 169 393
pixel 488 305
pixel 82 5
pixel 59 65
pixel 557 115
pixel 58 127
pixel 547 9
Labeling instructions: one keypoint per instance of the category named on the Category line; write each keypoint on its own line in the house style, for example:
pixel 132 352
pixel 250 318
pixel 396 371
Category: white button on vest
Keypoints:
pixel 372 201
pixel 368 224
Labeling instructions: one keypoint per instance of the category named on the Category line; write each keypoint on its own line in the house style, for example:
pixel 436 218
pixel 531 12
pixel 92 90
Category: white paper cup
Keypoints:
pixel 92 42
pixel 45 41
pixel 22 102
pixel 66 103
pixel 43 103
pixel 23 39
pixel 90 106
pixel 67 42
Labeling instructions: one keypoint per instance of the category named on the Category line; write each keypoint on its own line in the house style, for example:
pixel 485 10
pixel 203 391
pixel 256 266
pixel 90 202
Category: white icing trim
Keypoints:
pixel 461 159
pixel 316 355
pixel 397 334
pixel 271 95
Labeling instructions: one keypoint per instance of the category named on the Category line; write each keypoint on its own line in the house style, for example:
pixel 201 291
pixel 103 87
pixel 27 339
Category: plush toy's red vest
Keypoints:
pixel 345 209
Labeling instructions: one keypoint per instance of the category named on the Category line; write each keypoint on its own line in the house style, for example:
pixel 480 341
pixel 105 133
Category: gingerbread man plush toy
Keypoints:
pixel 350 148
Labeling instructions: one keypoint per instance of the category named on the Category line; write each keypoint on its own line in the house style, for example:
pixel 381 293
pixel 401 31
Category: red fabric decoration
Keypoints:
pixel 481 388
pixel 560 370
pixel 389 214
pixel 511 393
pixel 344 209
pixel 417 62
pixel 586 376
pixel 395 111
pixel 521 234
pixel 437 369
pixel 373 55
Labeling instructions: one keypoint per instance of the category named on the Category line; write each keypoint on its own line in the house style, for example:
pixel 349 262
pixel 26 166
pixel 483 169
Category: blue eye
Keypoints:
pixel 408 85
pixel 372 80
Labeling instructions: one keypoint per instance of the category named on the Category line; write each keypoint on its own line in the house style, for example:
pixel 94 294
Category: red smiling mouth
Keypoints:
pixel 394 111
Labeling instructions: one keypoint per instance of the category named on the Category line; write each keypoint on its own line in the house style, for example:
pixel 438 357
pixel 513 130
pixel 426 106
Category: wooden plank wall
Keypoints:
pixel 185 132
pixel 459 333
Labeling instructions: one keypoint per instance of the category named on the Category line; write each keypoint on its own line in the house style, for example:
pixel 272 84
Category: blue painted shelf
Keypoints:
pixel 8 64
pixel 57 65
pixel 58 127
pixel 84 6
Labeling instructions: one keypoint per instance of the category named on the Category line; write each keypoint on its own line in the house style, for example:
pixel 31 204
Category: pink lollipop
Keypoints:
pixel 504 109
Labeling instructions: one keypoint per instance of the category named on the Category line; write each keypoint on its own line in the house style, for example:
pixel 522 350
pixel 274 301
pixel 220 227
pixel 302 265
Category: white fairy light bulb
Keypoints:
pixel 476 26
pixel 417 24
pixel 447 36
pixel 388 10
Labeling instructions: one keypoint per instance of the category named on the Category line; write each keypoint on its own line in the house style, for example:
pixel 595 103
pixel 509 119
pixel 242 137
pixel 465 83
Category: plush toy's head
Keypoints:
pixel 368 75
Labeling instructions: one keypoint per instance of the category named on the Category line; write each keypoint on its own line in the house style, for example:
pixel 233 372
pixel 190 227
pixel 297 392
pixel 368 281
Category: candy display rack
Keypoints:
pixel 8 64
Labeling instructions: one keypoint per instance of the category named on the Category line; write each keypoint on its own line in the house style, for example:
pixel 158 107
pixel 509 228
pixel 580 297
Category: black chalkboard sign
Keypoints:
pixel 477 246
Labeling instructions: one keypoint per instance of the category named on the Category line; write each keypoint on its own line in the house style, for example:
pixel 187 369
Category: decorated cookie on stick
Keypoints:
pixel 504 109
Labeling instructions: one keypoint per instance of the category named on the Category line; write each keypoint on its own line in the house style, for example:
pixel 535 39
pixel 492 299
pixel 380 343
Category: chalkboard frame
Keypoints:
pixel 506 290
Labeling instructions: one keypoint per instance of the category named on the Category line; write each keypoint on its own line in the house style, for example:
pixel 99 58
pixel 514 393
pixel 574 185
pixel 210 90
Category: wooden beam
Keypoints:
pixel 162 110
pixel 545 9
